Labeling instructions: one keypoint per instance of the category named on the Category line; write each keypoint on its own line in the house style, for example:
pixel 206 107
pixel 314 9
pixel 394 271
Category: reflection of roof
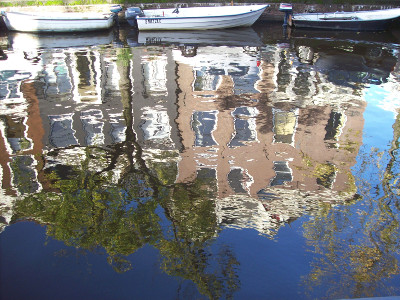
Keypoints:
pixel 274 208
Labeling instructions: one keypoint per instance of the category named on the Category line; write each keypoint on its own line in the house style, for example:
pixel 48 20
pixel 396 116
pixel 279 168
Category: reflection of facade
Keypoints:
pixel 52 99
pixel 294 148
pixel 76 97
pixel 276 135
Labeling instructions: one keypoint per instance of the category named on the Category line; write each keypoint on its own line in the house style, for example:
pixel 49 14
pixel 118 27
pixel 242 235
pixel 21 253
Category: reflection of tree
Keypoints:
pixel 186 253
pixel 354 262
pixel 85 207
pixel 90 213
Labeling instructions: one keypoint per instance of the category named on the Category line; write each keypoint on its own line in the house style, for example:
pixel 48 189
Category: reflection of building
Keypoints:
pixel 79 96
pixel 276 135
pixel 52 98
pixel 258 150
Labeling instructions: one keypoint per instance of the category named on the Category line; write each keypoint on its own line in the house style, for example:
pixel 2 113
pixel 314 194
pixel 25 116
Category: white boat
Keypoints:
pixel 57 21
pixel 200 18
pixel 357 20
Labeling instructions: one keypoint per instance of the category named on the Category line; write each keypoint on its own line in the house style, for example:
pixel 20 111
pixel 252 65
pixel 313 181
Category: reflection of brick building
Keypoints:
pixel 253 120
pixel 261 146
pixel 264 145
pixel 44 105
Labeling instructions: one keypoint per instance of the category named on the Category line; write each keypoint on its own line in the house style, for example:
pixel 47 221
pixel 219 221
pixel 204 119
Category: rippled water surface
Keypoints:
pixel 233 164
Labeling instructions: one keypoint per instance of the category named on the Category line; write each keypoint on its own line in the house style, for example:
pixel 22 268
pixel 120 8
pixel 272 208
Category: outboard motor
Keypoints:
pixel 288 10
pixel 115 8
pixel 132 13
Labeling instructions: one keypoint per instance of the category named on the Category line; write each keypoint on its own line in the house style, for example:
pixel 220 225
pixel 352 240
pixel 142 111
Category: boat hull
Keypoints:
pixel 61 22
pixel 236 17
pixel 379 25
pixel 376 20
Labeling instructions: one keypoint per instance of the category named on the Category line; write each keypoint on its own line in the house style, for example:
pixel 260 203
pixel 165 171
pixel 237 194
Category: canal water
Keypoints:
pixel 251 163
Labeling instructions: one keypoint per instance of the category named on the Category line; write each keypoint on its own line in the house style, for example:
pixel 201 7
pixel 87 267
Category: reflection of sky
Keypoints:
pixel 377 136
pixel 386 95
pixel 379 118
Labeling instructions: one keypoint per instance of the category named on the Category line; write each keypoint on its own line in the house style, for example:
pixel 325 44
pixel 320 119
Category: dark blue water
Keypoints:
pixel 48 269
pixel 234 164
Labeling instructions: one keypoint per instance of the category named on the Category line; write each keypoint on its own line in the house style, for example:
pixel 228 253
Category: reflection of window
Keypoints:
pixel 326 175
pixel 302 83
pixel 239 180
pixel 87 76
pixel 283 77
pixel 207 178
pixel 282 173
pixel 155 124
pixel 203 124
pixel 206 173
pixel 245 125
pixel 10 81
pixel 14 130
pixel 205 80
pixel 244 78
pixel 118 128
pixel 335 125
pixel 24 175
pixel 285 123
pixel 58 83
pixel 93 126
pixel 61 132
pixel 155 75
pixel 63 80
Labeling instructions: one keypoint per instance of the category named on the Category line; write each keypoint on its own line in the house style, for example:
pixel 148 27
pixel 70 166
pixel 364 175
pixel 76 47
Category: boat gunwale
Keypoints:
pixel 202 17
pixel 38 17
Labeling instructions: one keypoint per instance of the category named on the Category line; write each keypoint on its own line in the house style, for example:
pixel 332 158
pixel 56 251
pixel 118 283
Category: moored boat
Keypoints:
pixel 374 20
pixel 57 22
pixel 200 18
